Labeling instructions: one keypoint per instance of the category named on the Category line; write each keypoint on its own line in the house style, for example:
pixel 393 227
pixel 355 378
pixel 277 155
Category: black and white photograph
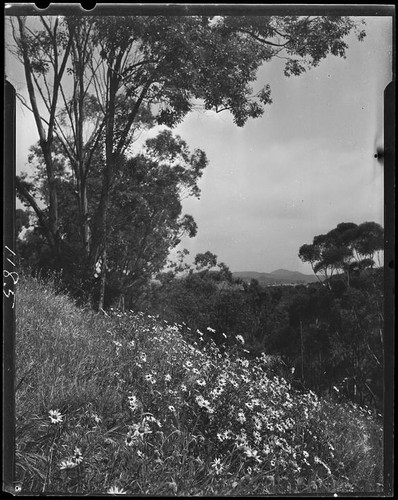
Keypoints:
pixel 198 260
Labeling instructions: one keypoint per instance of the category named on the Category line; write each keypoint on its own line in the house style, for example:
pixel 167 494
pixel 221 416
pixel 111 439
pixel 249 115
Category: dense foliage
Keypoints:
pixel 145 217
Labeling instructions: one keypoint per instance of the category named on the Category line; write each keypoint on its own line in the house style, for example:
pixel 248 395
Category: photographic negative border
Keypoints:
pixel 13 9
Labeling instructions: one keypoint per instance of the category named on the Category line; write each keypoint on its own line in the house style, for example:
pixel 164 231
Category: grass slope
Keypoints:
pixel 125 404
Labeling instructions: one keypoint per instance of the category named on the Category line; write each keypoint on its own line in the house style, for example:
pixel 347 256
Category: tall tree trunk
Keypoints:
pixel 103 281
pixel 83 215
pixel 113 151
pixel 53 197
pixel 100 223
pixel 85 222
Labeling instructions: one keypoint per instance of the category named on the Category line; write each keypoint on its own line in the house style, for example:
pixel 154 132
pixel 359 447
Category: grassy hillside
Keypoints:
pixel 131 404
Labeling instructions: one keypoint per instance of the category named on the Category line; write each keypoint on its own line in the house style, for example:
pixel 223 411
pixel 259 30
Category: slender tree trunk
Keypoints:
pixel 99 232
pixel 101 216
pixel 86 225
pixel 53 197
pixel 83 216
pixel 103 281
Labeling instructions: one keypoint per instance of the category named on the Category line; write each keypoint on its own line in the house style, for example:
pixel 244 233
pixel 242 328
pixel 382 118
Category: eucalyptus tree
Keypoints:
pixel 346 248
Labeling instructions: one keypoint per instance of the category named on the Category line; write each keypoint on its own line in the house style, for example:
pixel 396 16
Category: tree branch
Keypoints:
pixel 132 117
pixel 262 40
pixel 28 76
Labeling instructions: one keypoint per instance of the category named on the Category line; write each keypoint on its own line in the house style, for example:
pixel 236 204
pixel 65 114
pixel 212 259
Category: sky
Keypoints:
pixel 302 168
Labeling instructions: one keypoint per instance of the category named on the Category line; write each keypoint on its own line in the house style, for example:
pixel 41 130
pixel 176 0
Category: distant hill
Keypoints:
pixel 278 277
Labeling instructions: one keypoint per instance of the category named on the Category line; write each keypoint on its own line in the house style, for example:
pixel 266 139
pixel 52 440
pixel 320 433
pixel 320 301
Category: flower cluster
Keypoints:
pixel 73 461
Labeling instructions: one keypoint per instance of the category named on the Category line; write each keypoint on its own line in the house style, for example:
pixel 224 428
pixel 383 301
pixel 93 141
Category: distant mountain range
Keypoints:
pixel 278 277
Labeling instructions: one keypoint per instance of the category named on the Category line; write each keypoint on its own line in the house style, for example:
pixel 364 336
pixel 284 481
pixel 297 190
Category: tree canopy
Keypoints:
pixel 346 248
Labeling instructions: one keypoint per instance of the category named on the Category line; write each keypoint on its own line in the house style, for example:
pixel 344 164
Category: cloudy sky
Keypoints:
pixel 299 170
pixel 296 172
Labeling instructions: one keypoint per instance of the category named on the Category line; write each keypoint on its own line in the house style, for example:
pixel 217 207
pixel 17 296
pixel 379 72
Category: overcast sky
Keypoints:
pixel 302 168
pixel 305 166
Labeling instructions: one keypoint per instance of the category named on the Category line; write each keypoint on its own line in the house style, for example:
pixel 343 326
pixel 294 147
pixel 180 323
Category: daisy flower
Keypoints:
pixel 252 454
pixel 217 466
pixel 257 437
pixel 55 416
pixel 266 449
pixel 96 418
pixel 241 417
pixel 114 490
pixel 77 456
pixel 67 464
pixel 133 402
